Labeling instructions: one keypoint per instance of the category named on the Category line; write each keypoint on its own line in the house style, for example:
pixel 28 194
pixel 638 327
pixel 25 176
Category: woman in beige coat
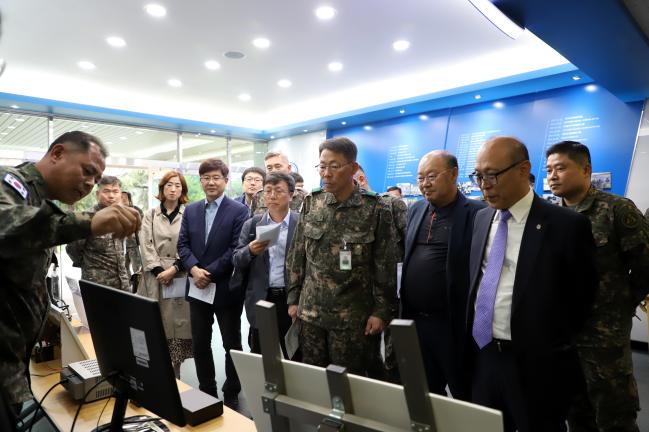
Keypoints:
pixel 163 270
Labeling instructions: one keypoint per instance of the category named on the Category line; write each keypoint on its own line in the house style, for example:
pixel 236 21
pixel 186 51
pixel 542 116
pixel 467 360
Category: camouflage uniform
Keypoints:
pixel 101 260
pixel 609 400
pixel 258 204
pixel 31 226
pixel 335 304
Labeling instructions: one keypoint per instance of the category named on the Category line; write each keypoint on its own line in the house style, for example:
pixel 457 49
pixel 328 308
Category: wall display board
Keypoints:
pixel 389 151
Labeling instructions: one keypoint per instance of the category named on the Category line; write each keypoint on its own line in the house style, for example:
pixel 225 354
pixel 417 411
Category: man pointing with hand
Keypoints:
pixel 32 224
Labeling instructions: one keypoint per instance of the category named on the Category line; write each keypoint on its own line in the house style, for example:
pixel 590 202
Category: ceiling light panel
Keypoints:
pixel 116 41
pixel 401 45
pixel 212 65
pixel 261 43
pixel 156 10
pixel 86 65
pixel 335 66
pixel 325 13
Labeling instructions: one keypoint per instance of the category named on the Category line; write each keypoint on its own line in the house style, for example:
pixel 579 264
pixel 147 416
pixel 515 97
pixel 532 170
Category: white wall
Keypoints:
pixel 638 191
pixel 302 152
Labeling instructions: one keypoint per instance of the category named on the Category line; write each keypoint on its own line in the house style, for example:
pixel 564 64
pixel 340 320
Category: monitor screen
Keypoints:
pixel 131 348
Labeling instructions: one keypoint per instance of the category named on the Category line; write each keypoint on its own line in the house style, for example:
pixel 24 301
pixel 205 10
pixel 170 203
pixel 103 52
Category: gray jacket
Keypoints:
pixel 258 267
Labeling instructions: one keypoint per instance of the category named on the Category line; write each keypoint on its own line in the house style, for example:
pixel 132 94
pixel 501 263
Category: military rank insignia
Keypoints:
pixel 12 181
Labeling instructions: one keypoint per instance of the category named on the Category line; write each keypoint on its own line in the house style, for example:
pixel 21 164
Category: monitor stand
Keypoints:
pixel 118 420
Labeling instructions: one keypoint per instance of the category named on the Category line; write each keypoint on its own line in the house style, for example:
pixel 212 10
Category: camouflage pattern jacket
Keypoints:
pixel 101 259
pixel 31 225
pixel 328 296
pixel 258 204
pixel 622 237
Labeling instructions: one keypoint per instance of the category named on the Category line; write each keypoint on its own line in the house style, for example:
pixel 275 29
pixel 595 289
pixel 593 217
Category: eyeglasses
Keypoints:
pixel 276 192
pixel 430 177
pixel 253 179
pixel 207 179
pixel 333 167
pixel 490 179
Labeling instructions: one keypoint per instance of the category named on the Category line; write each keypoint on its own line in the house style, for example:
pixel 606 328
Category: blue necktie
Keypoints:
pixel 484 305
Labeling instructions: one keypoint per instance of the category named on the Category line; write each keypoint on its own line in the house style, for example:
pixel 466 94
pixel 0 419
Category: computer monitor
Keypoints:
pixel 131 348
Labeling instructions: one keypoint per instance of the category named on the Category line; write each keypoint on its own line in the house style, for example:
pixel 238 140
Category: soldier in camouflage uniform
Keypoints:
pixel 608 400
pixel 341 265
pixel 276 163
pixel 102 258
pixel 32 224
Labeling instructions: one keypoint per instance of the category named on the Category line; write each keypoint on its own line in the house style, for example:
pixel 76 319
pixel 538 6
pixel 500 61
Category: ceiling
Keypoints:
pixel 451 46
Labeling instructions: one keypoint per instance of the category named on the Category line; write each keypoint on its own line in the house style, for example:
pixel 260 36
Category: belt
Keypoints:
pixel 275 291
pixel 502 345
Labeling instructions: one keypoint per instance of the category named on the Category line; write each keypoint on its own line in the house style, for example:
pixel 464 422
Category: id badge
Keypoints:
pixel 345 258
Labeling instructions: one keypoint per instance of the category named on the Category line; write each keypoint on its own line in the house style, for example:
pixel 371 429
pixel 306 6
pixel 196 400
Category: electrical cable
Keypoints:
pixel 41 402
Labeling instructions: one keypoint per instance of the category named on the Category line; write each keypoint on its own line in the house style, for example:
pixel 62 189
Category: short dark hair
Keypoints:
pixel 213 164
pixel 573 149
pixel 396 188
pixel 109 180
pixel 275 178
pixel 297 177
pixel 256 170
pixel 81 140
pixel 340 145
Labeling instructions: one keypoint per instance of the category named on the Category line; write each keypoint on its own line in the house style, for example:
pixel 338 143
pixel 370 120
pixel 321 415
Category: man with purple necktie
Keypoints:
pixel 532 276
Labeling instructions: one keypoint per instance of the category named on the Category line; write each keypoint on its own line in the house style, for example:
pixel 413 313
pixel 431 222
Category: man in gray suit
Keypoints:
pixel 264 265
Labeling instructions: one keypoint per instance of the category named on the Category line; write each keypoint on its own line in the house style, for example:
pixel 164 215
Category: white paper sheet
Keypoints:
pixel 206 294
pixel 268 232
pixel 292 338
pixel 175 289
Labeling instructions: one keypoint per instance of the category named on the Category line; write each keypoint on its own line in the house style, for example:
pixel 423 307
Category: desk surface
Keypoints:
pixel 61 408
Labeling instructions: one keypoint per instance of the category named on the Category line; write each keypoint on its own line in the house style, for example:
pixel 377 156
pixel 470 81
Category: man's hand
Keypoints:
pixel 257 247
pixel 292 311
pixel 166 276
pixel 374 326
pixel 201 277
pixel 117 220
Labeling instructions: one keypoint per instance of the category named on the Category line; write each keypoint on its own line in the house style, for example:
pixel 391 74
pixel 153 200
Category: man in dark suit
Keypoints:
pixel 532 280
pixel 435 274
pixel 252 180
pixel 208 236
pixel 264 265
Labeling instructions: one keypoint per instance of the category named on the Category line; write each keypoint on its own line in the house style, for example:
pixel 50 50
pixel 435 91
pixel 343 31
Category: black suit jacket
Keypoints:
pixel 554 285
pixel 215 255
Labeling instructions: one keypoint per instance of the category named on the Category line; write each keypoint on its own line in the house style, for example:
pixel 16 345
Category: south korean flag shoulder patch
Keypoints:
pixel 16 184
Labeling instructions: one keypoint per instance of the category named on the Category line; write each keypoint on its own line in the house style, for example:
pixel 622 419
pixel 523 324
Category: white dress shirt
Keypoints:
pixel 277 253
pixel 515 225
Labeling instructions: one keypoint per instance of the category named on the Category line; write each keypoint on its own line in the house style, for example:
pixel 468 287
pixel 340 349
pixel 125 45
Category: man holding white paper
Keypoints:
pixel 261 254
pixel 208 236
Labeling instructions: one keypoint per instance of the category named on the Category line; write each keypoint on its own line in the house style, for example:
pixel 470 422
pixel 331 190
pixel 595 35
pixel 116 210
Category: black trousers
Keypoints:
pixel 8 413
pixel 283 322
pixel 497 384
pixel 229 319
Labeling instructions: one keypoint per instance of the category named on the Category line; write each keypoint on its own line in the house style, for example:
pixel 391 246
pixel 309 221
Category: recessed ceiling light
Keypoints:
pixel 591 88
pixel 499 105
pixel 261 43
pixel 123 138
pixel 325 12
pixel 173 82
pixel 305 130
pixel 116 41
pixel 423 117
pixel 401 45
pixel 234 55
pixel 477 97
pixel 212 65
pixel 20 119
pixel 284 83
pixel 367 127
pixel 335 66
pixel 576 77
pixel 401 111
pixel 272 137
pixel 84 126
pixel 343 123
pixel 155 10
pixel 11 127
pixel 244 97
pixel 86 65
pixel 109 142
pixel 14 106
pixel 139 132
pixel 4 133
pixel 212 131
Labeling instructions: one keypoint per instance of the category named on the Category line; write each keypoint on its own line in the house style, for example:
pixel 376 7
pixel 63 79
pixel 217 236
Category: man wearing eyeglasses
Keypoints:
pixel 435 274
pixel 532 279
pixel 341 265
pixel 252 181
pixel 208 236
pixel 276 162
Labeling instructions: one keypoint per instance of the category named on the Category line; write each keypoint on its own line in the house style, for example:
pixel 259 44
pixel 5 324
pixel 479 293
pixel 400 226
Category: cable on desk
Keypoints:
pixel 35 416
pixel 83 401
pixel 102 411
